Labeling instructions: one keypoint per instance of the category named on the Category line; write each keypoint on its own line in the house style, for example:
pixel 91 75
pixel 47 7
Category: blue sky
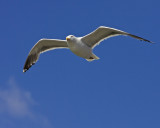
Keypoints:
pixel 62 90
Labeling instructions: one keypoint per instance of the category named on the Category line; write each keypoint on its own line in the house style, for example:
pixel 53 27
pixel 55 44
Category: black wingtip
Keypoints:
pixel 148 41
pixel 27 67
pixel 139 38
pixel 24 70
pixel 31 60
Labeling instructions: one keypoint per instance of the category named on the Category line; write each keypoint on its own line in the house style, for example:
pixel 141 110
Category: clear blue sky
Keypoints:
pixel 62 90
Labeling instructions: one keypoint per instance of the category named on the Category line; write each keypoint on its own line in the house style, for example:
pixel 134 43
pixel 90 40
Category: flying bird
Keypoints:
pixel 81 46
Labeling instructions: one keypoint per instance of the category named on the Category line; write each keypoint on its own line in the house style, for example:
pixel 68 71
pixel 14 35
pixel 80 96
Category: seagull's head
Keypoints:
pixel 70 37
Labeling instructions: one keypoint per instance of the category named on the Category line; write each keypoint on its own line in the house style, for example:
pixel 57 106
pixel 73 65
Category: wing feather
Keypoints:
pixel 41 46
pixel 101 33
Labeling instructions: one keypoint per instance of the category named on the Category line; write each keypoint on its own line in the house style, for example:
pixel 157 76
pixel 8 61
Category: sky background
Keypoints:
pixel 62 90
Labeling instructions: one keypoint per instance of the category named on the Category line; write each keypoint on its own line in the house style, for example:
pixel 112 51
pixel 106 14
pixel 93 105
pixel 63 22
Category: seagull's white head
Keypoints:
pixel 70 37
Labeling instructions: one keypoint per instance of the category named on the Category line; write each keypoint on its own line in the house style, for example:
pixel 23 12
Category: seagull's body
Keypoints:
pixel 81 46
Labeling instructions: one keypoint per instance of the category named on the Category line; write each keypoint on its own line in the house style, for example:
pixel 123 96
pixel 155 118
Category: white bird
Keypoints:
pixel 81 46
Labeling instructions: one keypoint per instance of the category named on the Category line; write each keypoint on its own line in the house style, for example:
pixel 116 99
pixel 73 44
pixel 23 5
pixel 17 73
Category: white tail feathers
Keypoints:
pixel 93 57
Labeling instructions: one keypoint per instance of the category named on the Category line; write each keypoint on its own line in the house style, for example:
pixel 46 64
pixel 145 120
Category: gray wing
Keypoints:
pixel 41 46
pixel 101 33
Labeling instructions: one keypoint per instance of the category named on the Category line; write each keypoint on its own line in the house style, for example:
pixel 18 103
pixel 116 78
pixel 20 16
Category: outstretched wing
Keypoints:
pixel 101 33
pixel 41 46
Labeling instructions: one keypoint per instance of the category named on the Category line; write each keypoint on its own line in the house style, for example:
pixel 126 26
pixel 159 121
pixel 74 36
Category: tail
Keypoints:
pixel 93 57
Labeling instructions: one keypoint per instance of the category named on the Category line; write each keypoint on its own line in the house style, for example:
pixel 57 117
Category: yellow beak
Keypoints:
pixel 67 38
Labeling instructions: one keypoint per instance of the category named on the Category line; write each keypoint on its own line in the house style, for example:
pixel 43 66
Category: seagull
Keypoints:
pixel 81 46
